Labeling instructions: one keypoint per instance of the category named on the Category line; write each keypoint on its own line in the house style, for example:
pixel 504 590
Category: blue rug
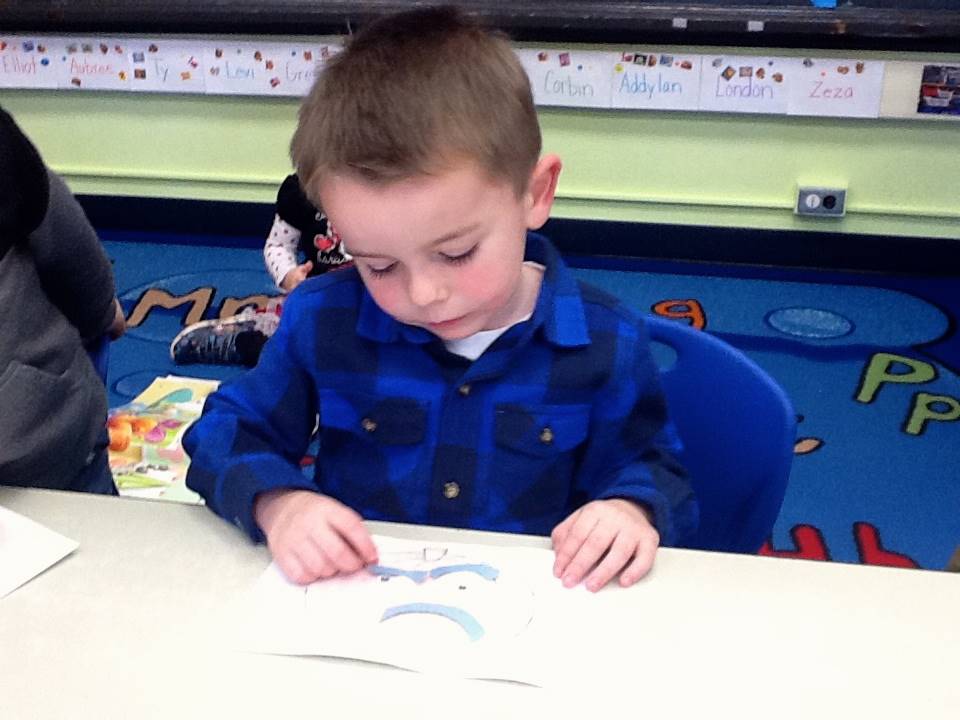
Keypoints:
pixel 871 362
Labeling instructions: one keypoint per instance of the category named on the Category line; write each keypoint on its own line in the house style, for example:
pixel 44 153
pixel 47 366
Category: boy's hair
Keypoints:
pixel 413 93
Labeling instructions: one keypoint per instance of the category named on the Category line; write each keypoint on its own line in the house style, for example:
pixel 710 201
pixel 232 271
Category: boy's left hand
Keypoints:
pixel 607 536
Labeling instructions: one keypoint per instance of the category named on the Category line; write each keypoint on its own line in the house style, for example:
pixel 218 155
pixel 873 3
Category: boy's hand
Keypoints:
pixel 296 276
pixel 607 536
pixel 312 536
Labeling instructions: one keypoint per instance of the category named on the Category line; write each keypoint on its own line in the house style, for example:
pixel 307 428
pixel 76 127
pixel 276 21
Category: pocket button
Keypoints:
pixel 546 436
pixel 451 490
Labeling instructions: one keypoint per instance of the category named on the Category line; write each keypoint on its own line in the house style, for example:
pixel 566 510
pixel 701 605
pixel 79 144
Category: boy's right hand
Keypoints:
pixel 296 276
pixel 312 536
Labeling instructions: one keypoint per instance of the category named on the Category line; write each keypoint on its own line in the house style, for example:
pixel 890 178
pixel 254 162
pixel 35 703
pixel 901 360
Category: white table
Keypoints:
pixel 120 629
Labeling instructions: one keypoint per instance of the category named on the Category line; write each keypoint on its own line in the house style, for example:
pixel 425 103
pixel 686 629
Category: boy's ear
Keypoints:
pixel 541 190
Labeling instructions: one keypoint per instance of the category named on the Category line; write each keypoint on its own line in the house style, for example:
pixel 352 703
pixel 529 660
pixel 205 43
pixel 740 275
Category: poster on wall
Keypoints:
pixel 836 88
pixel 647 80
pixel 27 62
pixel 940 90
pixel 743 84
pixel 569 78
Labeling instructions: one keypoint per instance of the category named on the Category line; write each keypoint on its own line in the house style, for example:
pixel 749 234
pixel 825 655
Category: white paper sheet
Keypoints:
pixel 460 610
pixel 836 88
pixel 646 80
pixel 571 78
pixel 27 62
pixel 746 84
pixel 95 64
pixel 165 66
pixel 248 68
pixel 27 549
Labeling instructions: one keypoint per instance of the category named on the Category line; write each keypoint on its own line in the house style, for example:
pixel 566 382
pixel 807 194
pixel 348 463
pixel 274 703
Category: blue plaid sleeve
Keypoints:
pixel 254 430
pixel 632 445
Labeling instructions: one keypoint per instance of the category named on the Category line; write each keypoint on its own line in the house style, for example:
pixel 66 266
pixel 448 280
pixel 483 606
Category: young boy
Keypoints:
pixel 461 375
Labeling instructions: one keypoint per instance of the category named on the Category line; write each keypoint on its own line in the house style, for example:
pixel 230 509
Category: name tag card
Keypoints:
pixel 165 66
pixel 301 65
pixel 241 68
pixel 742 84
pixel 27 63
pixel 836 88
pixel 647 80
pixel 261 69
pixel 569 78
pixel 100 64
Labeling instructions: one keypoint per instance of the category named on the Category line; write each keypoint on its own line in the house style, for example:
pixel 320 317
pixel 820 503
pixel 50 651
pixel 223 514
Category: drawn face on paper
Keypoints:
pixel 437 599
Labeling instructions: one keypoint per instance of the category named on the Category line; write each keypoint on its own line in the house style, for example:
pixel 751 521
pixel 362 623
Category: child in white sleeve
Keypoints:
pixel 301 244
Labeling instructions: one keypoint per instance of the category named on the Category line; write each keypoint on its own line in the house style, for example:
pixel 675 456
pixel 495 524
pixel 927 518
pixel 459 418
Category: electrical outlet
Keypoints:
pixel 821 202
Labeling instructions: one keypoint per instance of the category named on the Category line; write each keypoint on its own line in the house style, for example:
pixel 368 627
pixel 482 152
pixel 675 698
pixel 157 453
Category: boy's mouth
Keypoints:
pixel 444 325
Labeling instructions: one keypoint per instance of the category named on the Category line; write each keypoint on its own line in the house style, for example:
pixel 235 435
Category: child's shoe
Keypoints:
pixel 234 340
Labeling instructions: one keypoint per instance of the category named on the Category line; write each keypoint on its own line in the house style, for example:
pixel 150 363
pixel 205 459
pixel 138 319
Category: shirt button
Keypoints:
pixel 451 490
pixel 368 425
pixel 546 436
pixel 464 389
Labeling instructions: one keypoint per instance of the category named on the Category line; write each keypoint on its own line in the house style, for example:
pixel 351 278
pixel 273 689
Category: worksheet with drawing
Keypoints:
pixel 467 610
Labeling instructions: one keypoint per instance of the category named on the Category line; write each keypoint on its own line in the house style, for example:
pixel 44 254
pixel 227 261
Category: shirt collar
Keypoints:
pixel 559 307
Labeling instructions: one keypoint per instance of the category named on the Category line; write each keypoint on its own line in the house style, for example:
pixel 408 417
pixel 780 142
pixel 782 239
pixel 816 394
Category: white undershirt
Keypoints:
pixel 473 346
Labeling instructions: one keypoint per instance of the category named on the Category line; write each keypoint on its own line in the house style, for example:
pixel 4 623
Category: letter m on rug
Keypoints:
pixel 154 297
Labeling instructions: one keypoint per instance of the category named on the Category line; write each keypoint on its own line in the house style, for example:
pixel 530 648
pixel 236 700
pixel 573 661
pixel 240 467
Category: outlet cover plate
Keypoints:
pixel 821 202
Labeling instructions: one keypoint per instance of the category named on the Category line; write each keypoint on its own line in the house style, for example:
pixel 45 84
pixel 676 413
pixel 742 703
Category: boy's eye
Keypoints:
pixel 461 258
pixel 380 271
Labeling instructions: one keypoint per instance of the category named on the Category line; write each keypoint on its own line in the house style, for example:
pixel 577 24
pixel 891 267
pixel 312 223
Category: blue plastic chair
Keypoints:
pixel 738 429
pixel 99 352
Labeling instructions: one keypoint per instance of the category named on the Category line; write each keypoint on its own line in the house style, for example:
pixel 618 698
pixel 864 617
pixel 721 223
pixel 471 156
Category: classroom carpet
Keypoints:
pixel 871 362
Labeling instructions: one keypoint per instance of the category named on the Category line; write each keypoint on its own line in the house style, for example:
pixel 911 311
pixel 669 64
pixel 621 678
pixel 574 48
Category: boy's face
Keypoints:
pixel 442 251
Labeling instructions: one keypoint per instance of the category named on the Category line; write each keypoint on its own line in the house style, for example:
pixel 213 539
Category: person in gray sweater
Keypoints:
pixel 57 293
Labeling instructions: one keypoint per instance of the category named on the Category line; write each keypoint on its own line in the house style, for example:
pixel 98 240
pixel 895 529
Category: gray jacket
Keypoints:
pixel 56 291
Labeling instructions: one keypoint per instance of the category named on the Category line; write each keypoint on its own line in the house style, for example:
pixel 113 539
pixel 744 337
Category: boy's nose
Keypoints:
pixel 425 290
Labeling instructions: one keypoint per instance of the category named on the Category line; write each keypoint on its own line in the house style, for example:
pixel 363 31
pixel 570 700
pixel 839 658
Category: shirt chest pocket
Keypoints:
pixel 381 420
pixel 536 452
pixel 540 431
pixel 370 439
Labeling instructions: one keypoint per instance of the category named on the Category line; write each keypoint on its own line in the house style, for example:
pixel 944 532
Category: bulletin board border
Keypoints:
pixel 854 84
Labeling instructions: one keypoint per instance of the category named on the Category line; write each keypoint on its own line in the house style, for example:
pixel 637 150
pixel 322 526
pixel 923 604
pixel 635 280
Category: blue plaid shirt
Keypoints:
pixel 562 409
